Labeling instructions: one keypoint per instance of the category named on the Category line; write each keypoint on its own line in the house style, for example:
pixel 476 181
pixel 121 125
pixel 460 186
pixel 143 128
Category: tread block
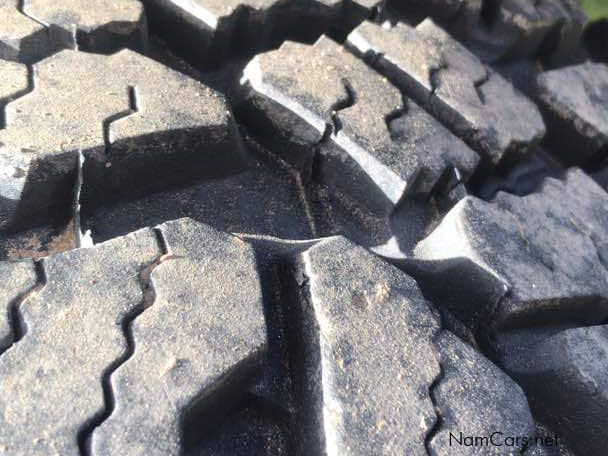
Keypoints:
pixel 550 29
pixel 373 373
pixel 499 30
pixel 476 103
pixel 474 394
pixel 320 104
pixel 566 378
pixel 32 30
pixel 21 38
pixel 14 84
pixel 123 113
pixel 14 80
pixel 16 279
pixel 202 336
pixel 194 314
pixel 51 379
pixel 574 100
pixel 367 356
pixel 548 249
pixel 231 27
pixel 440 10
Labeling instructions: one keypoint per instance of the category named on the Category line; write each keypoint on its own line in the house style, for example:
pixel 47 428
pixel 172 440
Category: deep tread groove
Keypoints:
pixel 489 13
pixel 86 431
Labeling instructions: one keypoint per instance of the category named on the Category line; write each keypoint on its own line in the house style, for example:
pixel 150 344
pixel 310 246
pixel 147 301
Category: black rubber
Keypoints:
pixel 311 227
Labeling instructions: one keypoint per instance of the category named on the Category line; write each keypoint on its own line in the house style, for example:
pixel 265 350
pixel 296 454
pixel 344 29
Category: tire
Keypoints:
pixel 321 227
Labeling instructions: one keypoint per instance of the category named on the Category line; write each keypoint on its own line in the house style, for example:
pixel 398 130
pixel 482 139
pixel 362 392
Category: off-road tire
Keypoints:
pixel 302 227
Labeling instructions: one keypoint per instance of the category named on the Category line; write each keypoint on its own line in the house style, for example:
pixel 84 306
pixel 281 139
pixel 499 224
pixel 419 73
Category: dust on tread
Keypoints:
pixel 34 29
pixel 123 114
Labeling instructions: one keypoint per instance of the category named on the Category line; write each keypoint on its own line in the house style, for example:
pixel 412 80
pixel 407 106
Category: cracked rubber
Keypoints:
pixel 31 30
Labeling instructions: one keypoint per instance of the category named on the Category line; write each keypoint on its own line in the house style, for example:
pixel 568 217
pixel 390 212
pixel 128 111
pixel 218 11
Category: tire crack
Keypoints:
pixel 149 295
pixel 85 239
pixel 298 179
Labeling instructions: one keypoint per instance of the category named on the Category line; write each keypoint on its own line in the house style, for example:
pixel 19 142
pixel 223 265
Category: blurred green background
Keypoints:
pixel 595 9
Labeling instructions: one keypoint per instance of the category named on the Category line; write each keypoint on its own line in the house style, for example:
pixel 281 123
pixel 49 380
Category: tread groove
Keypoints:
pixel 86 431
pixel 341 105
pixel 21 9
pixel 17 322
pixel 31 85
pixel 107 123
pixel 434 430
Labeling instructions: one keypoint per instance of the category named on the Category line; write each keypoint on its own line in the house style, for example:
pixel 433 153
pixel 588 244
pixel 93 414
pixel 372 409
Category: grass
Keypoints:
pixel 596 9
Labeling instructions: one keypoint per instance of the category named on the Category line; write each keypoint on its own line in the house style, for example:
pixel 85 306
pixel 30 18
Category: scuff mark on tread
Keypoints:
pixel 149 295
pixel 17 322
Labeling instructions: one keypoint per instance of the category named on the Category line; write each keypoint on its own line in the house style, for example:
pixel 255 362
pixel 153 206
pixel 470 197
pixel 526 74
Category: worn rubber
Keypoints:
pixel 125 129
pixel 347 123
pixel 167 325
pixel 34 29
pixel 528 277
pixel 316 227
